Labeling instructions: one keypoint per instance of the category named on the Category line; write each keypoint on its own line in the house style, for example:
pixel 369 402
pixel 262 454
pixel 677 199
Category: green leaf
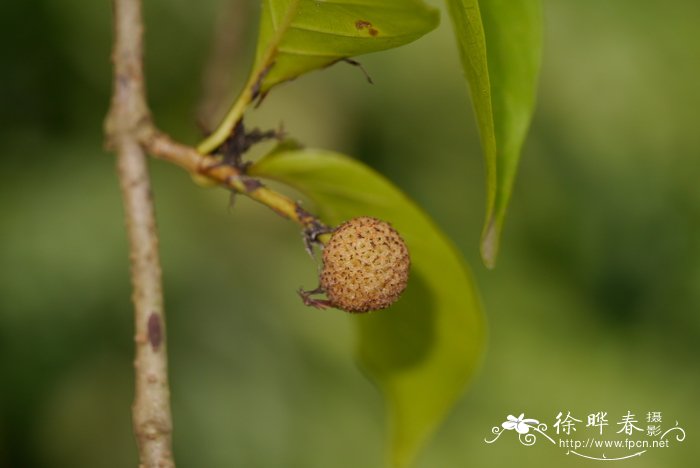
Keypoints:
pixel 297 36
pixel 500 43
pixel 423 350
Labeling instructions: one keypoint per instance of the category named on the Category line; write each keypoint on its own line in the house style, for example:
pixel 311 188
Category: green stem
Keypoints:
pixel 253 87
pixel 225 128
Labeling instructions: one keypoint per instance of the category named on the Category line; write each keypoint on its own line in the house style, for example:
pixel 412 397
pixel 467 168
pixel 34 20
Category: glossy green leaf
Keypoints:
pixel 422 351
pixel 297 36
pixel 500 43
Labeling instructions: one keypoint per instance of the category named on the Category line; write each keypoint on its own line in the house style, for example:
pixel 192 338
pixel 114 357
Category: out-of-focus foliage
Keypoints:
pixel 422 351
pixel 594 307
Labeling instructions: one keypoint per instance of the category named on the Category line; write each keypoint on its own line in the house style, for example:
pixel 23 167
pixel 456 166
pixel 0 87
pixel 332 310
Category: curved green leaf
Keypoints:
pixel 422 351
pixel 297 36
pixel 500 43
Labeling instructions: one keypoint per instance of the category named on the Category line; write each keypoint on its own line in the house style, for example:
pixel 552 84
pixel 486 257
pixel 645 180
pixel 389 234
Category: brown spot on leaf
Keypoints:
pixel 155 332
pixel 362 24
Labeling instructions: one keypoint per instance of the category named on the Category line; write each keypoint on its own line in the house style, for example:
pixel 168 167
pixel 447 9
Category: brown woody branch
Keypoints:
pixel 131 134
pixel 127 118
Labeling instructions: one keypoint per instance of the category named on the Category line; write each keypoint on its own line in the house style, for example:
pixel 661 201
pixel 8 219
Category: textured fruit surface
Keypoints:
pixel 365 265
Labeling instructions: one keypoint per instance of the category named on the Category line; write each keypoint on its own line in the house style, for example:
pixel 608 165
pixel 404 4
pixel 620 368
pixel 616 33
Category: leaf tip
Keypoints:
pixel 489 244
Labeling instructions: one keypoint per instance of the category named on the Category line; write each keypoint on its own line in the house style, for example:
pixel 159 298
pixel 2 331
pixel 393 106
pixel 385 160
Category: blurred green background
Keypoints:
pixel 593 307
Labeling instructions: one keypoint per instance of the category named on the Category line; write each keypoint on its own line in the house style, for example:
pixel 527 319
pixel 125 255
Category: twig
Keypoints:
pixel 127 117
pixel 163 147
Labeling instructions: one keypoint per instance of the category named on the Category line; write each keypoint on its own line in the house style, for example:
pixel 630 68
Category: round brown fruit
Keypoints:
pixel 365 265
